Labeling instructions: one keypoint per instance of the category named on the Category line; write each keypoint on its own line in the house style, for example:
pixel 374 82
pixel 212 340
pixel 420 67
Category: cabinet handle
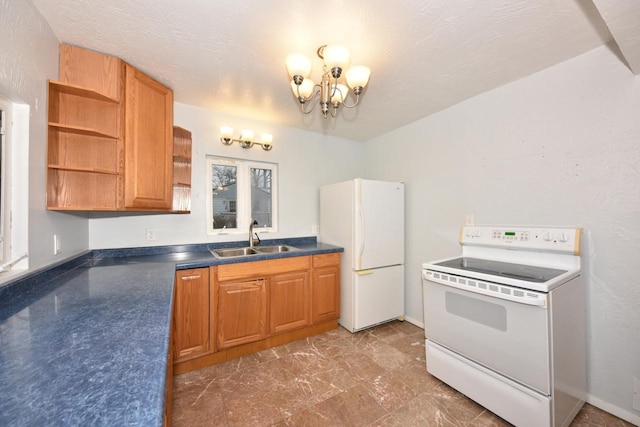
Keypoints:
pixel 195 276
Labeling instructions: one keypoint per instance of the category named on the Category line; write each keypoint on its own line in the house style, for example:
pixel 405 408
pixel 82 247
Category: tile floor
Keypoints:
pixel 372 378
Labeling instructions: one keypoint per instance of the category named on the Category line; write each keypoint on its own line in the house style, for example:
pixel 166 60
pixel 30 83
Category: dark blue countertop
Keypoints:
pixel 86 342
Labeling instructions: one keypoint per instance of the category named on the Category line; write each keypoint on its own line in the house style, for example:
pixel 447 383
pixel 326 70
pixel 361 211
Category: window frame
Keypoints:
pixel 243 195
pixel 5 176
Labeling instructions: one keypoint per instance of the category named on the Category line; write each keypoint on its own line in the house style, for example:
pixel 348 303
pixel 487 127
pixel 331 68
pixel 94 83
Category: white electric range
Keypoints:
pixel 505 322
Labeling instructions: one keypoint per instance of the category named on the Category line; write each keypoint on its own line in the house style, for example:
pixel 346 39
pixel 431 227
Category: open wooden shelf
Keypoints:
pixel 181 170
pixel 83 169
pixel 80 91
pixel 81 130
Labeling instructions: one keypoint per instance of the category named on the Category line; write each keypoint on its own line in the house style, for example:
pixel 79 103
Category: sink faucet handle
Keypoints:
pixel 252 241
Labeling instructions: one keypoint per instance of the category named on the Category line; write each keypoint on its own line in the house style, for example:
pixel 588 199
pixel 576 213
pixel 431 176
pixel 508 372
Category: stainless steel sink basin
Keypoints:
pixel 247 251
pixel 233 252
pixel 275 249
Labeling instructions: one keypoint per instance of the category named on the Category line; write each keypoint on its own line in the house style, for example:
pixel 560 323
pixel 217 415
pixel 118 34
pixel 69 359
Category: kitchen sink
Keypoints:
pixel 247 251
pixel 274 249
pixel 234 252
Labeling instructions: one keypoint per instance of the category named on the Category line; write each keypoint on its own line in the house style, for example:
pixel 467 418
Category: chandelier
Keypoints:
pixel 331 91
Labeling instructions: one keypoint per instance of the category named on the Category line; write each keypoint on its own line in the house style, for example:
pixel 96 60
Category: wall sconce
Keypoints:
pixel 246 139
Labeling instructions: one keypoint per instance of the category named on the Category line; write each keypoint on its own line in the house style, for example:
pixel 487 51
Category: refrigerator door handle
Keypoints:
pixel 361 232
pixel 364 272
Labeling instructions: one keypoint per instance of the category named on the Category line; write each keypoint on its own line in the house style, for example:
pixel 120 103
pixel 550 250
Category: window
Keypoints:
pixel 14 180
pixel 3 204
pixel 240 191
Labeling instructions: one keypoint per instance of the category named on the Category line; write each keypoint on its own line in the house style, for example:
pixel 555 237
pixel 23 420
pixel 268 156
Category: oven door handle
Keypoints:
pixel 501 291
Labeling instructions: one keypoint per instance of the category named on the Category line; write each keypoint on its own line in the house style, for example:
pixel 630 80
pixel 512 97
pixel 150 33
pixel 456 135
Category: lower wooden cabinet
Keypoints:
pixel 289 302
pixel 229 310
pixel 325 287
pixel 241 312
pixel 192 330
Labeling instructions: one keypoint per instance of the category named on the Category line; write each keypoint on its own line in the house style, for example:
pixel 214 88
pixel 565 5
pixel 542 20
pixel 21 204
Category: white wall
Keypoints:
pixel 28 58
pixel 305 160
pixel 560 147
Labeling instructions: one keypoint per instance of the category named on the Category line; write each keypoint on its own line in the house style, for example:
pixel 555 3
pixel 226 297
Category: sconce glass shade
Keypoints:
pixel 246 135
pixel 298 65
pixel 336 56
pixel 340 94
pixel 304 89
pixel 226 132
pixel 358 76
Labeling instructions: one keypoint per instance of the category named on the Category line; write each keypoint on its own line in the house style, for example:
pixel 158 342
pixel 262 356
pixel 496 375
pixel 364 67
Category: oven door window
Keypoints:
pixel 483 312
pixel 508 337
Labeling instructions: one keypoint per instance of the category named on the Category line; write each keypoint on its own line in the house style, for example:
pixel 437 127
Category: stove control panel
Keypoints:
pixel 553 239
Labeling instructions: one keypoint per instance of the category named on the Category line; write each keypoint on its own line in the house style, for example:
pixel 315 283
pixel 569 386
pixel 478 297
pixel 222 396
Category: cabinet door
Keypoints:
pixel 191 321
pixel 241 314
pixel 325 294
pixel 148 142
pixel 288 302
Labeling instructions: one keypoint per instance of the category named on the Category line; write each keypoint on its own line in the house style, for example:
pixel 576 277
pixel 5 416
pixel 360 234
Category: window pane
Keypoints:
pixel 261 210
pixel 225 195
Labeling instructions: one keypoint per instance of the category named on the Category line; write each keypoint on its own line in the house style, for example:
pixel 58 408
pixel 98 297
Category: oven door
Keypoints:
pixel 509 337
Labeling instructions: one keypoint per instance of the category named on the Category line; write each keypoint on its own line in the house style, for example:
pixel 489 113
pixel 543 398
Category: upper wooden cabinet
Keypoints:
pixel 148 144
pixel 110 137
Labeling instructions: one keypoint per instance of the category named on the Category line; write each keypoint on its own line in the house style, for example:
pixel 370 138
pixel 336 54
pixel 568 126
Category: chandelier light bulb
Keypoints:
pixel 298 65
pixel 338 95
pixel 336 56
pixel 304 89
pixel 358 76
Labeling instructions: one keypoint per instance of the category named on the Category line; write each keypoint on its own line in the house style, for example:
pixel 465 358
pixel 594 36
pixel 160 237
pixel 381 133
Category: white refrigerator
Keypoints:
pixel 366 218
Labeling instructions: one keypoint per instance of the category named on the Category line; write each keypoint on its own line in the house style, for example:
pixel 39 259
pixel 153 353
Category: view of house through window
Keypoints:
pixel 261 196
pixel 241 192
pixel 224 195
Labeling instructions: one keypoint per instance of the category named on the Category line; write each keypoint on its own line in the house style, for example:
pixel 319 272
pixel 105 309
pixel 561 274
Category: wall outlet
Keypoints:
pixel 57 244
pixel 315 229
pixel 636 393
pixel 468 219
pixel 151 234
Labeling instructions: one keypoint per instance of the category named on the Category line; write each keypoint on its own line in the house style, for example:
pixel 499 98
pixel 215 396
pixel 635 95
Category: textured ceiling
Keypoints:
pixel 228 55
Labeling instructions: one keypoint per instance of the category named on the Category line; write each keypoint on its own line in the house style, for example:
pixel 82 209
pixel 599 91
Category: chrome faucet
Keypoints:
pixel 253 241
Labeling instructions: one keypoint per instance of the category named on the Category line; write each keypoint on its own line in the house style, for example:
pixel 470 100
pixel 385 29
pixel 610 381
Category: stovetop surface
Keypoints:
pixel 523 272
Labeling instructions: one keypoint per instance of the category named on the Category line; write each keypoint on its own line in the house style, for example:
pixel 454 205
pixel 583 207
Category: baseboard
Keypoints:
pixel 614 410
pixel 414 322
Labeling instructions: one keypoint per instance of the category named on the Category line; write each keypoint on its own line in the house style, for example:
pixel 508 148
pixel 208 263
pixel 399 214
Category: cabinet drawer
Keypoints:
pixel 325 260
pixel 262 268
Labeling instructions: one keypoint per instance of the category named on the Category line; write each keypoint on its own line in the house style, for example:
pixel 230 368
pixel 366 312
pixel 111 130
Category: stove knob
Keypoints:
pixel 562 237
pixel 546 236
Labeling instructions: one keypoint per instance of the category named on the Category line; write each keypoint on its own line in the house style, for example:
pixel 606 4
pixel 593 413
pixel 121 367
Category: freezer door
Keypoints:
pixel 379 224
pixel 378 296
